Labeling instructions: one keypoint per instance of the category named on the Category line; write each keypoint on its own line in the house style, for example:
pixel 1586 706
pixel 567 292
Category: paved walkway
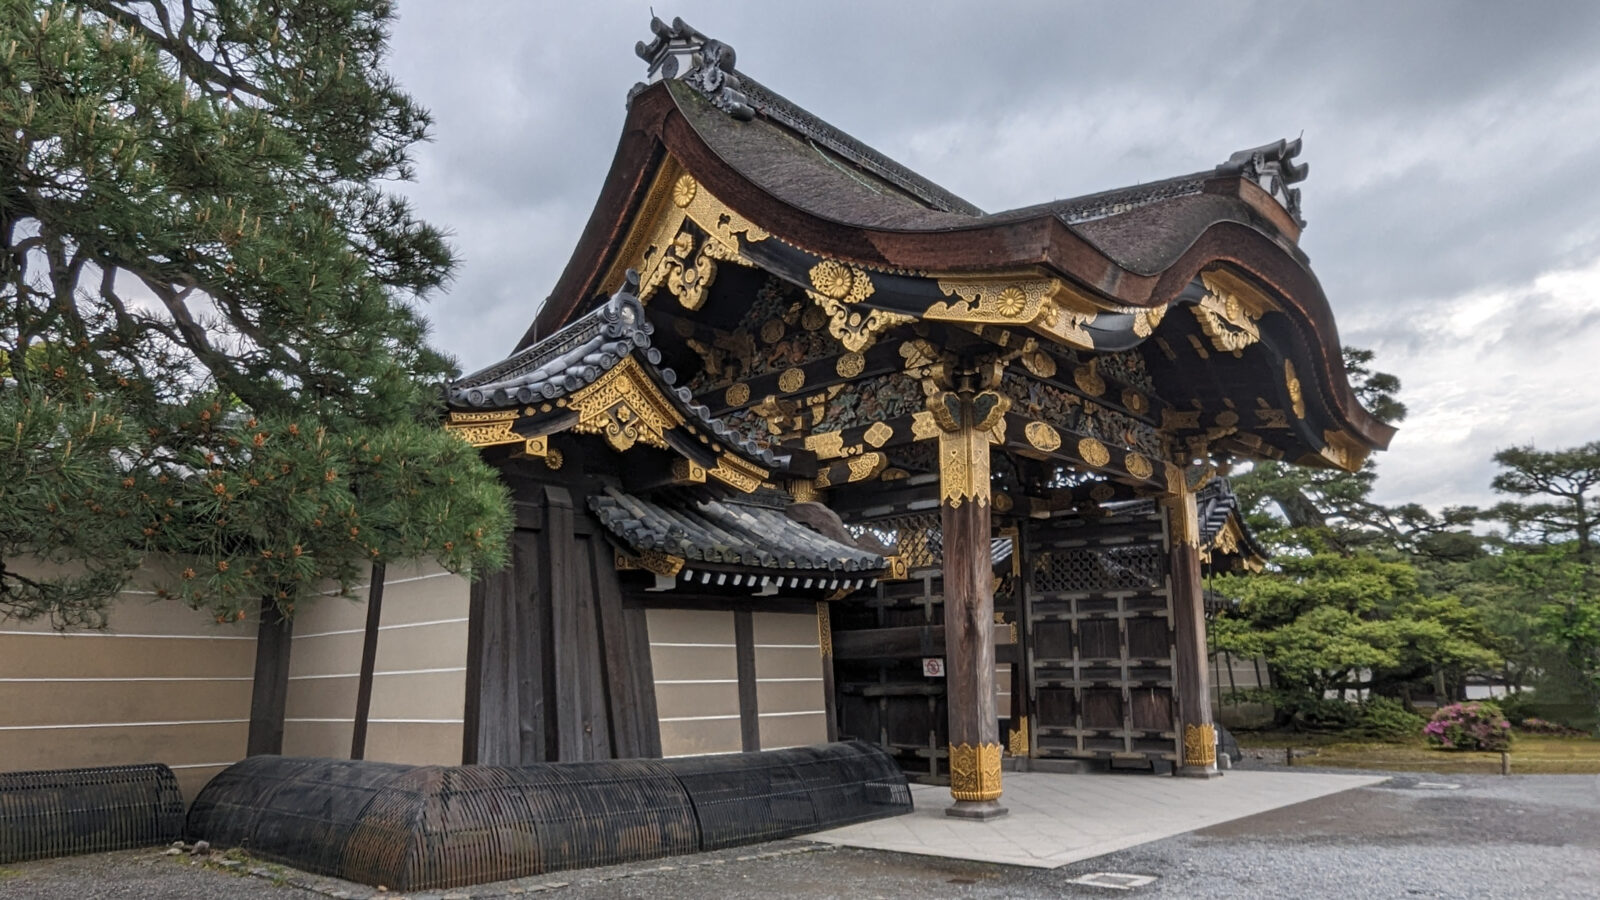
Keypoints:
pixel 1060 819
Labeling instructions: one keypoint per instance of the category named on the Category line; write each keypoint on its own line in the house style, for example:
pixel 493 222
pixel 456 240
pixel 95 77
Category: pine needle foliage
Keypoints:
pixel 209 343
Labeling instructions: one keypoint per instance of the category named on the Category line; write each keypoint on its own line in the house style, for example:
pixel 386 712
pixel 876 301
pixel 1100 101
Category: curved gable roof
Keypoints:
pixel 1129 249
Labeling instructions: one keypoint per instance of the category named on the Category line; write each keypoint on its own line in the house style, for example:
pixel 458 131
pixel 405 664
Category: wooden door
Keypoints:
pixel 1100 641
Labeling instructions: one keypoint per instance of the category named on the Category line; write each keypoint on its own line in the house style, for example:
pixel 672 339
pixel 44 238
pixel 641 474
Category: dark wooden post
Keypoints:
pixel 1190 671
pixel 744 652
pixel 369 660
pixel 830 702
pixel 269 693
pixel 964 423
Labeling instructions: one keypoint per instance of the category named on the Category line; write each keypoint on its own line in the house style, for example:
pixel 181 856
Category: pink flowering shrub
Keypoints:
pixel 1469 726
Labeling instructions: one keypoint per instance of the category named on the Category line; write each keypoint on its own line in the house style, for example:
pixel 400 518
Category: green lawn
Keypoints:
pixel 1530 754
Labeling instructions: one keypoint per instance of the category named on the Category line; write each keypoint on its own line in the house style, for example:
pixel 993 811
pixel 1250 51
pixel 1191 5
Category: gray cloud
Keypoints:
pixel 1453 148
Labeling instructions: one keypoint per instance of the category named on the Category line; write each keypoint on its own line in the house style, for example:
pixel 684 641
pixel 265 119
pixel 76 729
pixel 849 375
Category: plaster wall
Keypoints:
pixel 162 683
pixel 419 676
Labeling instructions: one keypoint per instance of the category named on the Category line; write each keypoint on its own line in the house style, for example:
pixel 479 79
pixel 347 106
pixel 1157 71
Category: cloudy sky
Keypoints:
pixel 1453 202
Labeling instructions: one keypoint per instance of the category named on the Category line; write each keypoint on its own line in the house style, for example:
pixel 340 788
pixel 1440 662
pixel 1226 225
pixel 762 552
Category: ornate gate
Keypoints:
pixel 1100 641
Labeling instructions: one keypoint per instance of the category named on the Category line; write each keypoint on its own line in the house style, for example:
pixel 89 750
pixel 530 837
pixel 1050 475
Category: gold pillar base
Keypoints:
pixel 1199 745
pixel 975 771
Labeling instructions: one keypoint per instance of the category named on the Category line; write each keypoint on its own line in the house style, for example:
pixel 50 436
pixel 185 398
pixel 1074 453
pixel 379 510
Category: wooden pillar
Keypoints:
pixel 1190 671
pixel 744 654
pixel 369 659
pixel 830 702
pixel 964 421
pixel 270 689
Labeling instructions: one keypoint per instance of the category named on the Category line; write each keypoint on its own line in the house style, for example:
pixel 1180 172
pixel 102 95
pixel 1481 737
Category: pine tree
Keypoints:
pixel 207 308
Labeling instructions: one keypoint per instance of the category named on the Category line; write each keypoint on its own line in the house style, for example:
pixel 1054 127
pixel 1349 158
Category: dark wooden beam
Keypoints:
pixel 369 658
pixel 270 690
pixel 745 654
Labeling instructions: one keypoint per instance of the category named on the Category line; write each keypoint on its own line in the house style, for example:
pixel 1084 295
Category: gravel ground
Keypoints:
pixel 1523 836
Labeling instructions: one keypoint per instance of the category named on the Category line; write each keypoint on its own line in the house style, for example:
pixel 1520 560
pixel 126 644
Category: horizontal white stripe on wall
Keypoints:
pixel 131 678
pixel 660 644
pixel 381 721
pixel 780 680
pixel 376 674
pixel 389 582
pixel 804 712
pixel 697 681
pixel 117 634
pixel 330 593
pixel 696 718
pixel 125 724
pixel 811 646
pixel 317 634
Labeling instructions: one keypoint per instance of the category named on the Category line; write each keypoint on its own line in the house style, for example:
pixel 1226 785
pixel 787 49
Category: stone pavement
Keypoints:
pixel 1058 819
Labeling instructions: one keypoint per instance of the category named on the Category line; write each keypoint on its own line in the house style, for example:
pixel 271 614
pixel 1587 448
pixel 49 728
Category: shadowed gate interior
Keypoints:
pixel 1084 642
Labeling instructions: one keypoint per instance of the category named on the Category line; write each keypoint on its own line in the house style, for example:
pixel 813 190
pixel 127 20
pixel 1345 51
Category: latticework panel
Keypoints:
pixel 1114 568
pixel 916 538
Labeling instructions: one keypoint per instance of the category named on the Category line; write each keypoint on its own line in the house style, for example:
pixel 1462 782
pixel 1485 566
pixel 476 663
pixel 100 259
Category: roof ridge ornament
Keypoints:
pixel 709 69
pixel 1272 167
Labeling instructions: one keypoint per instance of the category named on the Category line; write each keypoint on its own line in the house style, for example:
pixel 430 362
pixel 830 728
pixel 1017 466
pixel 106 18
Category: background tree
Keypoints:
pixel 1560 491
pixel 1545 568
pixel 207 307
pixel 1359 595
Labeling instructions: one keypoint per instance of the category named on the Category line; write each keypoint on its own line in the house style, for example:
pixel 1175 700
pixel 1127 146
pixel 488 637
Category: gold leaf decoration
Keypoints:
pixel 1137 466
pixel 737 394
pixel 826 444
pixel 832 279
pixel 1018 738
pixel 1146 320
pixel 772 331
pixel 878 434
pixel 836 287
pixel 1135 401
pixel 975 771
pixel 1088 380
pixel 686 273
pixel 1226 316
pixel 1093 452
pixel 850 365
pixel 1034 303
pixel 625 406
pixel 791 380
pixel 683 191
pixel 735 472
pixel 1199 745
pixel 1010 301
pixel 1296 396
pixel 1040 363
pixel 1042 436
pixel 824 630
pixel 866 466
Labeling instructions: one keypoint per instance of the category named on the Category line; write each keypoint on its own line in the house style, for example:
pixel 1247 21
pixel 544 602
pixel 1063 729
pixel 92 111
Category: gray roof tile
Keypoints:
pixel 704 529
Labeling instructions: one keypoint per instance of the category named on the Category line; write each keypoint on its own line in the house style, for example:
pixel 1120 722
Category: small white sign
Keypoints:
pixel 933 666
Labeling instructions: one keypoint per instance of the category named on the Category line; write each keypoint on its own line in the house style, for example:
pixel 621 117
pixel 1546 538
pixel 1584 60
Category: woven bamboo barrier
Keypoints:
pixel 67 811
pixel 412 828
